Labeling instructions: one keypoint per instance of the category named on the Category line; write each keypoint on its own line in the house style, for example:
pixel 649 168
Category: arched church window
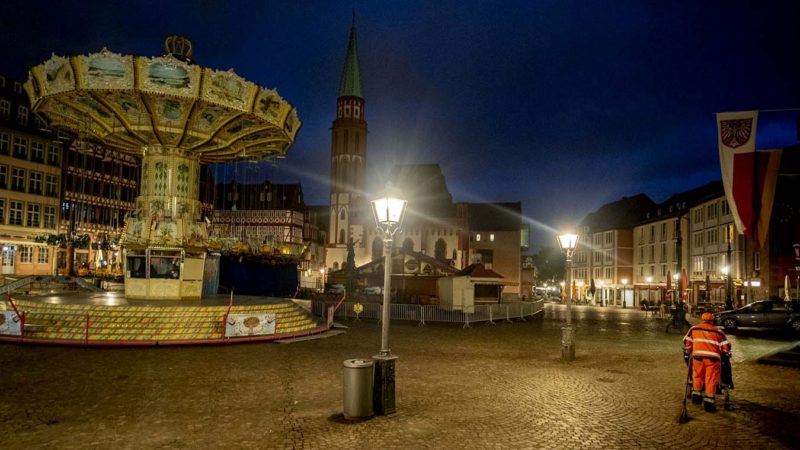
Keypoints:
pixel 342 215
pixel 440 249
pixel 341 236
pixel 377 248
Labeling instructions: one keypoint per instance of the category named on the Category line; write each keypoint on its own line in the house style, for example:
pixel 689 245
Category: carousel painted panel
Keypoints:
pixel 238 325
pixel 167 75
pixel 105 70
pixel 228 89
pixel 10 324
pixel 56 75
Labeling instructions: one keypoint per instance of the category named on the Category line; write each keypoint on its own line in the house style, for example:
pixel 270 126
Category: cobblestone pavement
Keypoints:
pixel 482 387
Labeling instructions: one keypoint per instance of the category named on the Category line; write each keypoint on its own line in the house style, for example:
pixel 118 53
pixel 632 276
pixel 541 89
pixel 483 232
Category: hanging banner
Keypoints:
pixel 10 324
pixel 736 133
pixel 748 176
pixel 250 325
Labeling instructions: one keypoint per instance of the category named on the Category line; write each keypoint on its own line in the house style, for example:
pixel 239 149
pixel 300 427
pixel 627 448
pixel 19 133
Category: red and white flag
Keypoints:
pixel 748 176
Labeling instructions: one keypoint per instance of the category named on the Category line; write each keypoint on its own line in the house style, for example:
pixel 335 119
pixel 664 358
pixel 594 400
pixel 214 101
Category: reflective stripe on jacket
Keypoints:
pixel 706 340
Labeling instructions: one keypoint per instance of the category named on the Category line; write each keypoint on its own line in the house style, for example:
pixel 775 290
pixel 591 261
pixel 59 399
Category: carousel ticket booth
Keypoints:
pixel 164 273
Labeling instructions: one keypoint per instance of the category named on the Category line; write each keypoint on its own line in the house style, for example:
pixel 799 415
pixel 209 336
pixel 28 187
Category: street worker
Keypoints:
pixel 704 346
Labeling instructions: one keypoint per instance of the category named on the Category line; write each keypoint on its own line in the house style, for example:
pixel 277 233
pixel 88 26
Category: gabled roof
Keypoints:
pixel 621 214
pixel 350 86
pixel 681 202
pixel 441 266
pixel 425 188
pixel 478 270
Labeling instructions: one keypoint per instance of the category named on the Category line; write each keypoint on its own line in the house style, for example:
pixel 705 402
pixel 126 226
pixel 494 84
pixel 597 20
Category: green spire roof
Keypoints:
pixel 351 75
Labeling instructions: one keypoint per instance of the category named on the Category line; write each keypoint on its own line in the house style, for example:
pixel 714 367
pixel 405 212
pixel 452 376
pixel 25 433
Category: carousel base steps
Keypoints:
pixel 120 324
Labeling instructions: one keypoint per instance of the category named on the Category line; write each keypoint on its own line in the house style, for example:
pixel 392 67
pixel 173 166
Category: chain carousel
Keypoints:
pixel 175 115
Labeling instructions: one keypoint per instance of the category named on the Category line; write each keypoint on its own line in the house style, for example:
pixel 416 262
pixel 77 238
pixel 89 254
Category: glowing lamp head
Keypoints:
pixel 568 242
pixel 624 281
pixel 389 210
pixel 725 270
pixel 649 279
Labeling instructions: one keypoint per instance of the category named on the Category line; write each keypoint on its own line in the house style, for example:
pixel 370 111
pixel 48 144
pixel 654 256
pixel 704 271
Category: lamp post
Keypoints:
pixel 322 272
pixel 675 277
pixel 388 211
pixel 624 285
pixel 649 282
pixel 602 293
pixel 568 242
pixel 726 274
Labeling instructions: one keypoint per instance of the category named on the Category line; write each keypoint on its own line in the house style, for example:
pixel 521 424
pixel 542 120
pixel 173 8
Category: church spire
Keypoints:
pixel 350 85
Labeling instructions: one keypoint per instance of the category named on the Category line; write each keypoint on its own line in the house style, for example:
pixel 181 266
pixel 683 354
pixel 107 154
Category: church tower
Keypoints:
pixel 348 159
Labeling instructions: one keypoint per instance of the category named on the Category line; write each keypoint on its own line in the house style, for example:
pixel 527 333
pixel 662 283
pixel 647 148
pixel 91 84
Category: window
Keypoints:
pixel 25 252
pixel 34 215
pixel 663 270
pixel 37 151
pixel 652 233
pixel 18 87
pixel 3 176
pixel 35 183
pixel 609 236
pixel 14 212
pixel 44 256
pixel 136 265
pixel 478 237
pixel 53 155
pixel 491 237
pixel 22 114
pixel 663 231
pixel 726 208
pixel 49 217
pixel 697 264
pixel 20 147
pixel 756 260
pixel 5 109
pixel 2 81
pixel 711 237
pixel 711 211
pixel 51 185
pixel 652 253
pixel 698 215
pixel 18 179
pixel 698 240
pixel 663 252
pixel 5 143
pixel 165 264
pixel 2 211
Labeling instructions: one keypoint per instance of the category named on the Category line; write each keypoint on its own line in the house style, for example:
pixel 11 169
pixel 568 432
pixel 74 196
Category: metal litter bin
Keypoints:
pixel 358 379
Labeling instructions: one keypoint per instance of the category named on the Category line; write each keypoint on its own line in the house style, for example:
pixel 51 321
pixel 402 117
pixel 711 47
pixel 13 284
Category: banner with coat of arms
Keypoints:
pixel 748 176
pixel 239 325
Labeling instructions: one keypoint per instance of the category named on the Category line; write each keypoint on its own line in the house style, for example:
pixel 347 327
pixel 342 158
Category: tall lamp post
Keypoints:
pixel 568 242
pixel 649 282
pixel 726 273
pixel 624 286
pixel 675 277
pixel 388 211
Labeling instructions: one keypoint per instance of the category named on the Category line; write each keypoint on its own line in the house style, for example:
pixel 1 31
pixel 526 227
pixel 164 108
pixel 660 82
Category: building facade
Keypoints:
pixel 30 185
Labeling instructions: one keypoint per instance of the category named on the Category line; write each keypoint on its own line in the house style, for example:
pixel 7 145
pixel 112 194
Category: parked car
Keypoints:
pixel 375 290
pixel 336 289
pixel 766 313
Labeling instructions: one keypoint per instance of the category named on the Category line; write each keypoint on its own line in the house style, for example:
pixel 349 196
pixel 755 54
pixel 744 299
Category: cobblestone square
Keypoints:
pixel 486 386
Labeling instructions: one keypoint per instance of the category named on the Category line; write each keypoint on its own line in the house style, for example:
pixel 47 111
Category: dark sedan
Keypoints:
pixel 767 313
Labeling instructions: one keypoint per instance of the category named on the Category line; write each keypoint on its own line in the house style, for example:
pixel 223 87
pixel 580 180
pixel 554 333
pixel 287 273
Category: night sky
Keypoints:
pixel 563 105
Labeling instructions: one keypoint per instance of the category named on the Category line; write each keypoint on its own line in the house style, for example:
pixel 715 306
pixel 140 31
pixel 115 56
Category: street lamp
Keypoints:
pixel 726 274
pixel 675 277
pixel 624 284
pixel 602 293
pixel 649 282
pixel 388 211
pixel 322 272
pixel 568 242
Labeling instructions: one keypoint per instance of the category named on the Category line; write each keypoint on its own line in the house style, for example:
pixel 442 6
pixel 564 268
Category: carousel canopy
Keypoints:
pixel 131 102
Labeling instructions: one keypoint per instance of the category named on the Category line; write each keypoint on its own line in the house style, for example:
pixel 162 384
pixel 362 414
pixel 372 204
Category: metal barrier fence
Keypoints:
pixel 432 313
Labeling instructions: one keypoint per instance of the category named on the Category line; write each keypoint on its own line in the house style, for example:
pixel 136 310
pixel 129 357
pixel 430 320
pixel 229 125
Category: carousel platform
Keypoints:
pixel 92 319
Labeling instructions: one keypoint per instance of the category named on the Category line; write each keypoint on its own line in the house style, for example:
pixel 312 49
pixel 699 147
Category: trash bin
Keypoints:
pixel 357 399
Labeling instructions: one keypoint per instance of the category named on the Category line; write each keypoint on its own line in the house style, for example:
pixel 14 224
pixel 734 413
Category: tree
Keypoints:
pixel 550 263
pixel 350 268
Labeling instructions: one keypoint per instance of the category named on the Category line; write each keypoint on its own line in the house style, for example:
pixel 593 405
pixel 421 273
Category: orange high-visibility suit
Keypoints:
pixel 706 343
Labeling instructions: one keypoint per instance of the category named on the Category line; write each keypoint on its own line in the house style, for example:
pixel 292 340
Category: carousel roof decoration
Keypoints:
pixel 131 102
